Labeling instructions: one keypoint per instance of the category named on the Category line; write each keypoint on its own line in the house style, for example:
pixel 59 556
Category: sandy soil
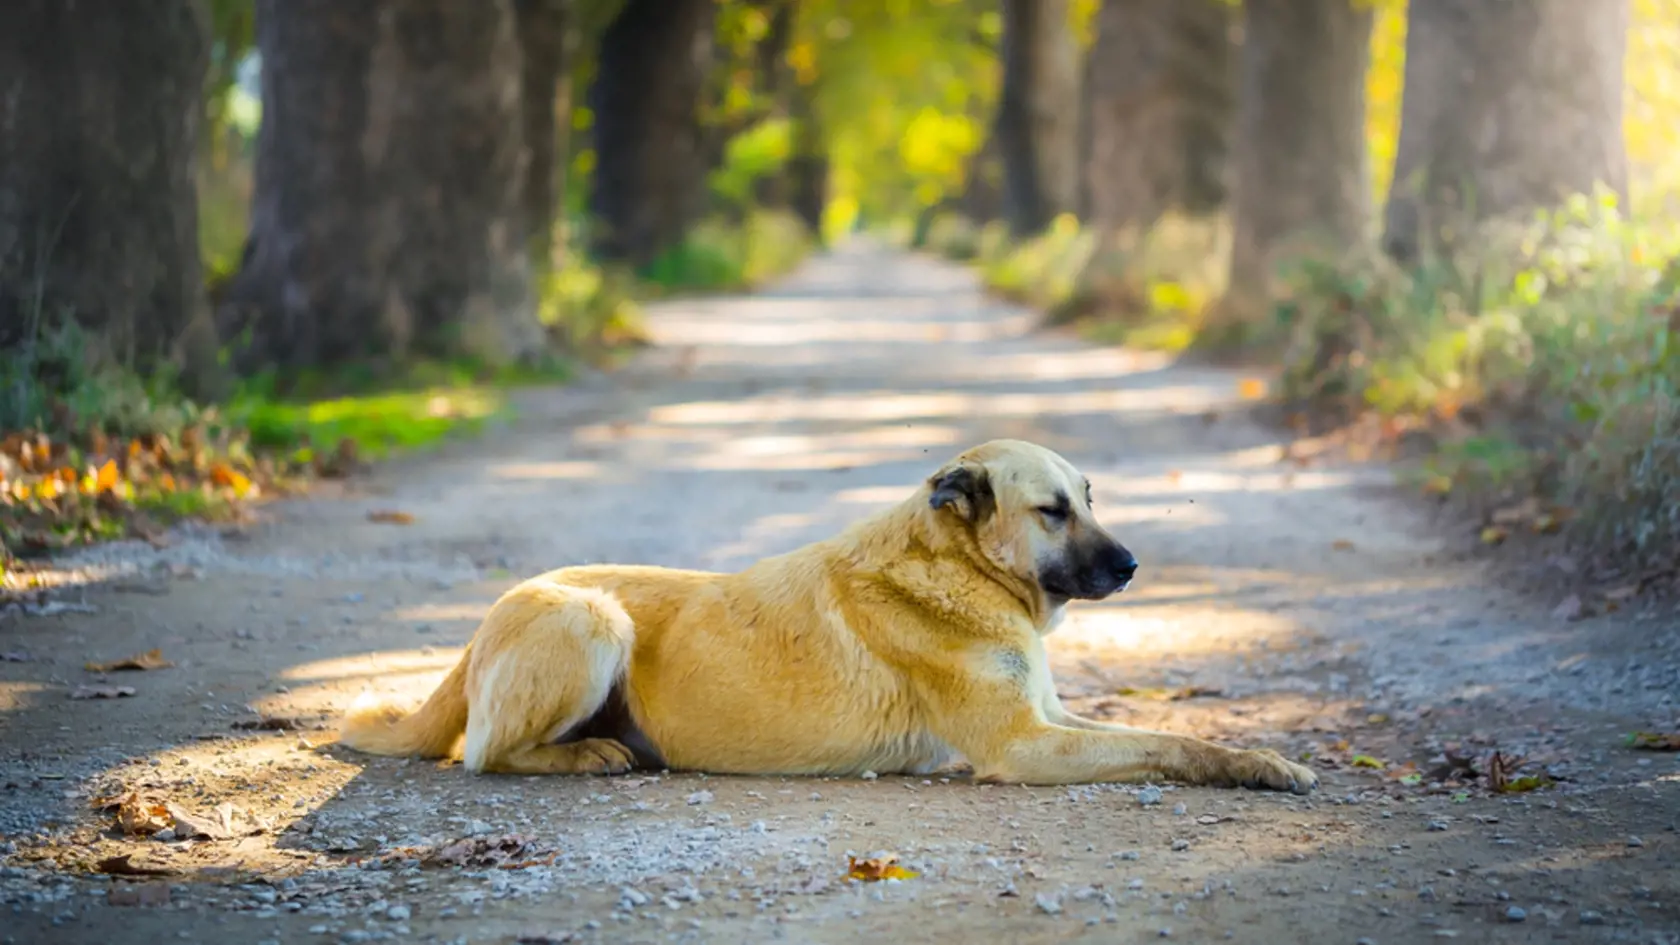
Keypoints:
pixel 1304 607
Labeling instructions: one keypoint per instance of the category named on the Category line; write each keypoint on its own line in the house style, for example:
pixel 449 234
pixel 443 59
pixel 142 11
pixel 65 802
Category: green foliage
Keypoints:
pixel 1043 271
pixel 720 256
pixel 586 307
pixel 60 381
pixel 1558 344
pixel 751 156
pixel 377 424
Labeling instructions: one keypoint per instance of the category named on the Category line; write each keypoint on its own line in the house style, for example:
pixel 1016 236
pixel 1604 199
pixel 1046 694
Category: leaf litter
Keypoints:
pixel 151 659
pixel 877 868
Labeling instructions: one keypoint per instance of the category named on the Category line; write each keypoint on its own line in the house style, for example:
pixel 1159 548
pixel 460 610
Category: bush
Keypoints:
pixel 717 255
pixel 954 236
pixel 1547 355
pixel 586 308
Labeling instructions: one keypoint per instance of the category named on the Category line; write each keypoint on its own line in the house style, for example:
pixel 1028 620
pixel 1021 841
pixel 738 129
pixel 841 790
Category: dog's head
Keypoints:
pixel 1030 513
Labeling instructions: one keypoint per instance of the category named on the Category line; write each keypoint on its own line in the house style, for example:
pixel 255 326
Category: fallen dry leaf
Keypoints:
pixel 1251 388
pixel 151 659
pixel 1500 771
pixel 102 692
pixel 139 816
pixel 1655 741
pixel 139 894
pixel 1494 534
pixel 1342 544
pixel 877 868
pixel 1366 761
pixel 390 517
pixel 121 866
pixel 218 825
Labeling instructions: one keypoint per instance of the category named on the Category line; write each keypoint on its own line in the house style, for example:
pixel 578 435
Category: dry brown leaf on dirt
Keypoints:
pixel 217 825
pixel 1655 741
pixel 509 851
pixel 1501 768
pixel 1251 388
pixel 123 866
pixel 101 692
pixel 877 868
pixel 140 816
pixel 390 517
pixel 151 659
pixel 1494 535
pixel 1341 544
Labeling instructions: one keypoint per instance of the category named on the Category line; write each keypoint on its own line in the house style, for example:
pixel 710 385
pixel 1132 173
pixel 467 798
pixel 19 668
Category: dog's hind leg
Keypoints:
pixel 545 660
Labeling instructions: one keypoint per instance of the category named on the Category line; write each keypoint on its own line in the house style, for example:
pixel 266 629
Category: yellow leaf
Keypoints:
pixel 1342 544
pixel 1366 761
pixel 390 517
pixel 151 659
pixel 877 868
pixel 107 476
pixel 1251 388
pixel 1493 535
pixel 1438 485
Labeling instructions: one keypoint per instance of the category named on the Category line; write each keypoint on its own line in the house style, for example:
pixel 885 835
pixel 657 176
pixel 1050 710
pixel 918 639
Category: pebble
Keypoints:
pixel 1048 904
pixel 1635 842
pixel 700 797
pixel 1180 810
pixel 399 913
pixel 1516 914
pixel 1128 855
pixel 869 776
pixel 1427 894
pixel 1365 941
pixel 1180 845
pixel 1149 796
pixel 1589 917
pixel 1437 825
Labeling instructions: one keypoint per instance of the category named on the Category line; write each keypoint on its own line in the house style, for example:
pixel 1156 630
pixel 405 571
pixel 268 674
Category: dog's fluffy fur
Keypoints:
pixel 909 640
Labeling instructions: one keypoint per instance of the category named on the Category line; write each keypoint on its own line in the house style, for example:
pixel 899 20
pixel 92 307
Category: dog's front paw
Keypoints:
pixel 1264 768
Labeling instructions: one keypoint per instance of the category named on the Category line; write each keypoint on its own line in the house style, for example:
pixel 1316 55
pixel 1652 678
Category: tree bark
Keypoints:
pixel 1301 176
pixel 387 217
pixel 1162 89
pixel 545 104
pixel 649 146
pixel 101 110
pixel 1038 119
pixel 1509 106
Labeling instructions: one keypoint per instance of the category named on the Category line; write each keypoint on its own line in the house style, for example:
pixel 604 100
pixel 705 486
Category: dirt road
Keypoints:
pixel 1302 608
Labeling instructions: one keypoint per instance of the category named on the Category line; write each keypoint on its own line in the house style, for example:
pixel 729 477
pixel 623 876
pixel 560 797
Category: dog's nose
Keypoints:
pixel 1123 564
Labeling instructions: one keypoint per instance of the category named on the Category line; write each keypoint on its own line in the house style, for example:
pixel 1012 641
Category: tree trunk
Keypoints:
pixel 1509 106
pixel 1301 180
pixel 776 82
pixel 99 139
pixel 807 167
pixel 1162 98
pixel 649 146
pixel 463 264
pixel 387 215
pixel 545 103
pixel 1038 118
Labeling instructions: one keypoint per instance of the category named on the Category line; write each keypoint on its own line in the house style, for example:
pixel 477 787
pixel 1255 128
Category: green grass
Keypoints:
pixel 717 256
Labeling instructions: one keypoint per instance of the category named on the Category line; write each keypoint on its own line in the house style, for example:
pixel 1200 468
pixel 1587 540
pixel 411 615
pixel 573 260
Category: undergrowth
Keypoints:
pixel 1545 361
pixel 720 256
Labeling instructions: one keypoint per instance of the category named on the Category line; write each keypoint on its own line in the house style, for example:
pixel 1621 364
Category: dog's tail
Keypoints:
pixel 431 731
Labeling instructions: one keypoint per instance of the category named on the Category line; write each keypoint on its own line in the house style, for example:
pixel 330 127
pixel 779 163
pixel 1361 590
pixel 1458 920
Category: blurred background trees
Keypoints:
pixel 212 191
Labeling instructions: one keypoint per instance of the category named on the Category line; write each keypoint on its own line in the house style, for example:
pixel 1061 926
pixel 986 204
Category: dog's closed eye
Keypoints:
pixel 1057 513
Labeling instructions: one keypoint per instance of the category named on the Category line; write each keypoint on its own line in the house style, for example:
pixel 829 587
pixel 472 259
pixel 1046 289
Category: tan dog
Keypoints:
pixel 910 638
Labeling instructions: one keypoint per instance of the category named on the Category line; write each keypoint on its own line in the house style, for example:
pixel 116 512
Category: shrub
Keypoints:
pixel 1553 344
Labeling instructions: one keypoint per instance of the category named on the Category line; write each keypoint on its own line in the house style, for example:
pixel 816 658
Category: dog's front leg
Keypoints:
pixel 1007 736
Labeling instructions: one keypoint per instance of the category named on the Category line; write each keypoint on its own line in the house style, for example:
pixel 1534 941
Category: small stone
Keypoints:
pixel 1589 917
pixel 1516 914
pixel 476 827
pixel 1365 941
pixel 1180 845
pixel 399 913
pixel 1437 825
pixel 1149 796
pixel 1635 842
pixel 1135 884
pixel 869 775
pixel 1048 904
pixel 1180 810
pixel 1165 933
pixel 700 797
pixel 1128 855
pixel 1427 894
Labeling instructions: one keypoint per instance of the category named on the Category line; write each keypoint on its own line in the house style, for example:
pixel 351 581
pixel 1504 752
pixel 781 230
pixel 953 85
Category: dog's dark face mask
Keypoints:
pixel 1031 515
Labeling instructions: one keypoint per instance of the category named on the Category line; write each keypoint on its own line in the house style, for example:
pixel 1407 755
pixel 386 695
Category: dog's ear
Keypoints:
pixel 966 488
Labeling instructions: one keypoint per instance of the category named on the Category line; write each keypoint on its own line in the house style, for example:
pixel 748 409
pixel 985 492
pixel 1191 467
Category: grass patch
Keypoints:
pixel 718 256
pixel 377 424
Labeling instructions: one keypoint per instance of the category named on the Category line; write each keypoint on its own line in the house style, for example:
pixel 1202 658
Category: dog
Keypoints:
pixel 911 640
